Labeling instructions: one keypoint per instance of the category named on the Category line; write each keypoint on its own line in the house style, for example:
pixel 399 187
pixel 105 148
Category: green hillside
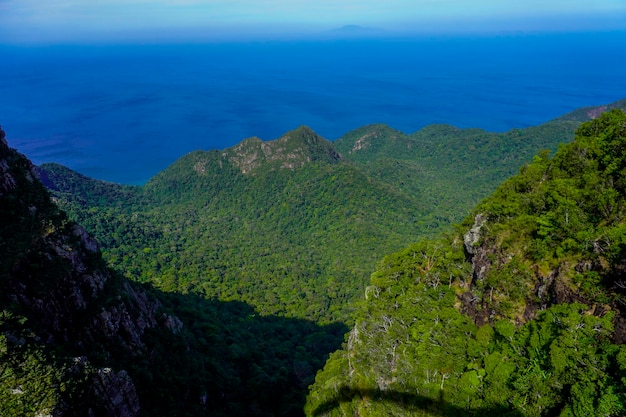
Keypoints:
pixel 286 226
pixel 295 226
pixel 244 261
pixel 77 339
pixel 453 169
pixel 518 312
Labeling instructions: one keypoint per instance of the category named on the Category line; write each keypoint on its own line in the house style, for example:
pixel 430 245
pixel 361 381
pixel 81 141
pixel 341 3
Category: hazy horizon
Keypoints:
pixel 24 22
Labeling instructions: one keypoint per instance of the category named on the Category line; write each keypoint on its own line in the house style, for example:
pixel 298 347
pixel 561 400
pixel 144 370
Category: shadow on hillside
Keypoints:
pixel 411 402
pixel 231 361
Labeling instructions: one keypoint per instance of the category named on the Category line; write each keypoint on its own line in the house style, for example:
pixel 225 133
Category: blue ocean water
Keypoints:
pixel 124 112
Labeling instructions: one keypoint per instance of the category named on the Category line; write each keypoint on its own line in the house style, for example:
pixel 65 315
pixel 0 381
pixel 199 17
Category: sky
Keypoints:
pixel 49 21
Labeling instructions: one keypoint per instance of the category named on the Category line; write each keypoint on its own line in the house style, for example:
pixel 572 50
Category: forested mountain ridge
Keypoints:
pixel 224 358
pixel 520 311
pixel 261 222
pixel 378 141
pixel 208 172
pixel 294 226
pixel 292 150
pixel 452 168
pixel 592 112
pixel 77 339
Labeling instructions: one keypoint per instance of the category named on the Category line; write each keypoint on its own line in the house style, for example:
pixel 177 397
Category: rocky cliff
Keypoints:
pixel 60 306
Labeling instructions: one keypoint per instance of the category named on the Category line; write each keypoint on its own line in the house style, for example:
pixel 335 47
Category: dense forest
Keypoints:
pixel 519 311
pixel 221 286
pixel 295 226
pixel 77 338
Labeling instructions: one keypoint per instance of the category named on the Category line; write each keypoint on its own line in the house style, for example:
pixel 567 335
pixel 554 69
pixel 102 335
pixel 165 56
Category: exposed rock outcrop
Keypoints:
pixel 291 151
pixel 53 275
pixel 477 253
pixel 543 288
pixel 118 391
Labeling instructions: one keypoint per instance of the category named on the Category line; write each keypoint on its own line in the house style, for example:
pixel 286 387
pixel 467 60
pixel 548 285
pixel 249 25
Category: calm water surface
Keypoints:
pixel 123 113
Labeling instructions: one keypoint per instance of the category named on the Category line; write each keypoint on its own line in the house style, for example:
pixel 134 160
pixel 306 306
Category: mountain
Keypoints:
pixel 295 226
pixel 519 311
pixel 78 339
pixel 587 113
pixel 455 168
pixel 294 150
pixel 267 223
pixel 55 291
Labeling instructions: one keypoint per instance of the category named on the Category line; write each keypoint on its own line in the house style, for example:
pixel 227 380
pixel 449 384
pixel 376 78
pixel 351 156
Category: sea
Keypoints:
pixel 124 112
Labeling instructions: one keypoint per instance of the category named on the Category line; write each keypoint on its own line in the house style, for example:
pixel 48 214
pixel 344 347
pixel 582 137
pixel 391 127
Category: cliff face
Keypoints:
pixel 53 278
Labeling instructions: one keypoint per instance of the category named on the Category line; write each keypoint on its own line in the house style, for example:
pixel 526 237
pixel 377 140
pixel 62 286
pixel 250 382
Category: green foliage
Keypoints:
pixel 554 235
pixel 290 226
pixel 269 239
pixel 563 211
pixel 32 380
pixel 292 229
pixel 66 321
pixel 450 169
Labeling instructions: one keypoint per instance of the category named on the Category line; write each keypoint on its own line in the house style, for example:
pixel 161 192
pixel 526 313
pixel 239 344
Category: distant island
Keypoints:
pixel 357 31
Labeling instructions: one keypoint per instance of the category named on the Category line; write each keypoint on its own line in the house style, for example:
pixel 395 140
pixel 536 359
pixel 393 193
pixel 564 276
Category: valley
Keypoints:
pixel 223 285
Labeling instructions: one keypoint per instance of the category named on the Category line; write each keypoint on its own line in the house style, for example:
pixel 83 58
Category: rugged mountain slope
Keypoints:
pixel 285 225
pixel 292 226
pixel 54 292
pixel 258 222
pixel 76 339
pixel 519 312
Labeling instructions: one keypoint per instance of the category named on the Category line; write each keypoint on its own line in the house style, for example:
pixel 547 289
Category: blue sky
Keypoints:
pixel 83 20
